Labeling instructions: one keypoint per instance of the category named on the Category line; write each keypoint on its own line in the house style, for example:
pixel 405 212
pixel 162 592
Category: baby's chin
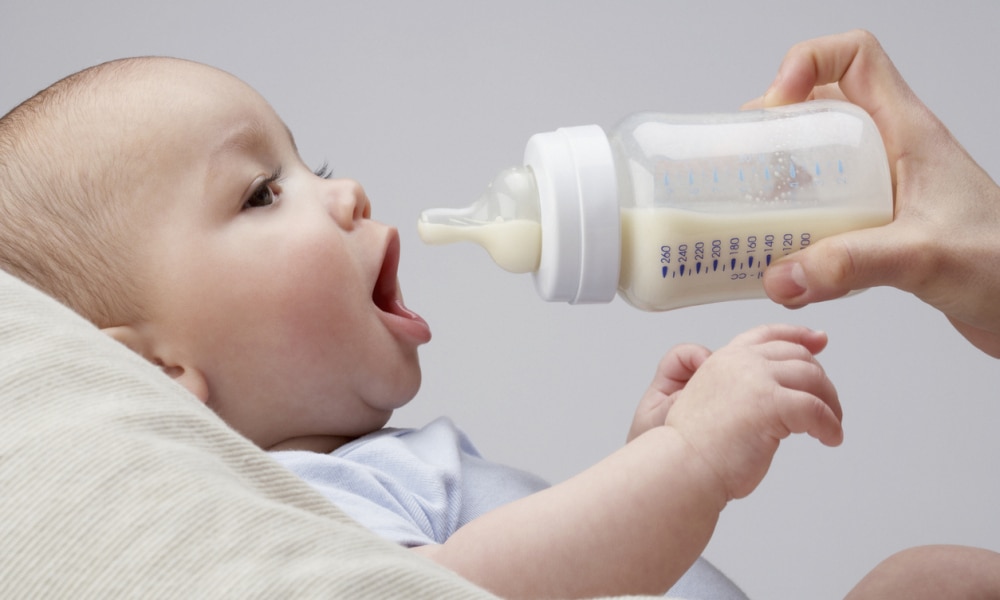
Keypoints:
pixel 409 395
pixel 403 387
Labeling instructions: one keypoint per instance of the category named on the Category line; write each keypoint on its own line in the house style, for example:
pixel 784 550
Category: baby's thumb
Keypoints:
pixel 832 268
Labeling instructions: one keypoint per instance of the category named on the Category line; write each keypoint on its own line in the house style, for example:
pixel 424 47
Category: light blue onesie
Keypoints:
pixel 418 486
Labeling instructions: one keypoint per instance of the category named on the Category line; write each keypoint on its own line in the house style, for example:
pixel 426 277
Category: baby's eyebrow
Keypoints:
pixel 250 135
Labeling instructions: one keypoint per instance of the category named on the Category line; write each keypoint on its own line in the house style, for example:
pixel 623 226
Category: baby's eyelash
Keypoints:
pixel 324 171
pixel 273 178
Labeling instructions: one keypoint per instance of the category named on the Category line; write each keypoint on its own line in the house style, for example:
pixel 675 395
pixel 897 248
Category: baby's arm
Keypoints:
pixel 634 522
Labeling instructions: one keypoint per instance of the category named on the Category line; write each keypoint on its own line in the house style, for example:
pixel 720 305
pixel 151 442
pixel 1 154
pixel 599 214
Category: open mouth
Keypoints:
pixel 389 300
pixel 386 292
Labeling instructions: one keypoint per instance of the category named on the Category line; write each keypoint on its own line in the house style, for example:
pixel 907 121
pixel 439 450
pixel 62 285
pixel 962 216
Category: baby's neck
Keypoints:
pixel 323 444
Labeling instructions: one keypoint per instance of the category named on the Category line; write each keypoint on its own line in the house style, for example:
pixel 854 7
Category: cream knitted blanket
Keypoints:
pixel 114 482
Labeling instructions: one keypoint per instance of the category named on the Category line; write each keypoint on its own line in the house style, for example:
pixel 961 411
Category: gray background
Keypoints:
pixel 424 101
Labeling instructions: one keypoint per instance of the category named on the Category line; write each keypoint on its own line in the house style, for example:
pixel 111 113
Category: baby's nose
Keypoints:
pixel 347 202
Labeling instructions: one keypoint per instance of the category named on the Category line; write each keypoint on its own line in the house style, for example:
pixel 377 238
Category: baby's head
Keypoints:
pixel 60 160
pixel 165 201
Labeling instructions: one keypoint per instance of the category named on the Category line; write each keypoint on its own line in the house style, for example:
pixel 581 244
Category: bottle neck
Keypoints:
pixel 574 171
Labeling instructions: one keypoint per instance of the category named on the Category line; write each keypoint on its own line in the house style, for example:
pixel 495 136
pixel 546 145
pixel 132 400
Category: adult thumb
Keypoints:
pixel 833 267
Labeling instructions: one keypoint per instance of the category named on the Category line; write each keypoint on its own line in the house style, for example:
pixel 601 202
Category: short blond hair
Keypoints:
pixel 64 220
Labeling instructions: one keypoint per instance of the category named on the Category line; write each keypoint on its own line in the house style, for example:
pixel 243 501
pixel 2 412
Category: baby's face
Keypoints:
pixel 269 281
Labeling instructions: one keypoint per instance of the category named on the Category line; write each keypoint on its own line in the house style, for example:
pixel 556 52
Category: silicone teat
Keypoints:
pixel 505 221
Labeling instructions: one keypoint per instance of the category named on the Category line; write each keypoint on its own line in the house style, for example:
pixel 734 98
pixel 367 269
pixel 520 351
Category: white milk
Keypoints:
pixel 514 245
pixel 673 258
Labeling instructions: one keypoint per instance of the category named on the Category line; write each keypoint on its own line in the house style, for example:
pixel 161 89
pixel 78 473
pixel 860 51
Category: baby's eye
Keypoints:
pixel 264 194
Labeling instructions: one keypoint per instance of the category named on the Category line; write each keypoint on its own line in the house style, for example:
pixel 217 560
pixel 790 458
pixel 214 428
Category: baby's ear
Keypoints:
pixel 128 336
pixel 186 375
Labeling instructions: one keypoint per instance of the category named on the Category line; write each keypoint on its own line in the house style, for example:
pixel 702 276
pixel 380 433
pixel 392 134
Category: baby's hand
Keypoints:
pixel 734 406
pixel 672 374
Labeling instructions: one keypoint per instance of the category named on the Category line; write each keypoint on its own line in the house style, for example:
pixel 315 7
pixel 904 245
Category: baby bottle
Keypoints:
pixel 676 210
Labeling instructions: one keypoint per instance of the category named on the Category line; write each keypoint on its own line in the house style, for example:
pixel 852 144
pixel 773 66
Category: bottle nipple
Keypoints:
pixel 505 220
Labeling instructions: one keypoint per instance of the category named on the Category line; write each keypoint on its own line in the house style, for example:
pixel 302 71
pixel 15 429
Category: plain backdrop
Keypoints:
pixel 424 102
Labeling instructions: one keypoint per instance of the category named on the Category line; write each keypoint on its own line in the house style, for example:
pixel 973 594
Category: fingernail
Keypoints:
pixel 787 281
pixel 798 275
pixel 768 94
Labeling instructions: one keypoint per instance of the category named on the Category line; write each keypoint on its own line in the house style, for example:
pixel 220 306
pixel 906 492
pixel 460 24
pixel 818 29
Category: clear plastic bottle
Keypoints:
pixel 677 210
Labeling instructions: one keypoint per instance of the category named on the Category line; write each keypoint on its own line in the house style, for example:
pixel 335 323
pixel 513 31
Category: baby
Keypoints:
pixel 166 202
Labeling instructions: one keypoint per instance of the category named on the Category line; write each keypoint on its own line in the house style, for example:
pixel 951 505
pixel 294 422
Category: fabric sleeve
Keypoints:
pixel 413 486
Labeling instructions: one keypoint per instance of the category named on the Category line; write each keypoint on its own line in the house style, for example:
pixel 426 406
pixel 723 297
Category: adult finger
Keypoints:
pixel 858 65
pixel 835 266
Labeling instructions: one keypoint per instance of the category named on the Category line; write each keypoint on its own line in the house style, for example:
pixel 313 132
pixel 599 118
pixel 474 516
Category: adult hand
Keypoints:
pixel 944 243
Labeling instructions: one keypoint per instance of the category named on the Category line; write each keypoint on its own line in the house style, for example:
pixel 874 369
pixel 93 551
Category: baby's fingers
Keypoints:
pixel 678 366
pixel 811 340
pixel 808 401
pixel 672 374
pixel 802 412
pixel 793 367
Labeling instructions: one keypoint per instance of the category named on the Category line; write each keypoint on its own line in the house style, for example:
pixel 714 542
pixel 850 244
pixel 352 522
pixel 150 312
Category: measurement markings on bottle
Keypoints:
pixel 740 258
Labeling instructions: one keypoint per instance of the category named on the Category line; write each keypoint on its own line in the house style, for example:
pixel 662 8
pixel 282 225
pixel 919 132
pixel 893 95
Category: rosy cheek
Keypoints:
pixel 315 292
